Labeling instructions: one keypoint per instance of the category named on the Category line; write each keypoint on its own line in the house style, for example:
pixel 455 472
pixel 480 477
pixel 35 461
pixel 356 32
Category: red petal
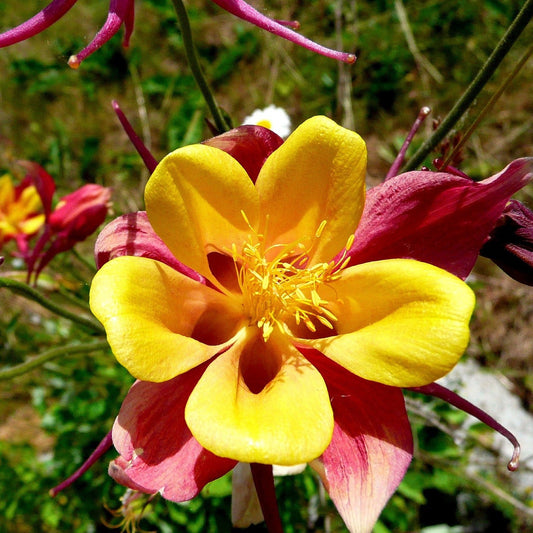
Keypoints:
pixel 117 470
pixel 435 217
pixel 151 436
pixel 81 204
pixel 371 446
pixel 44 183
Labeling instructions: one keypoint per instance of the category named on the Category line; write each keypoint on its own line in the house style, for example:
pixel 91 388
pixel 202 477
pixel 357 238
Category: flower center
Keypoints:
pixel 265 123
pixel 277 285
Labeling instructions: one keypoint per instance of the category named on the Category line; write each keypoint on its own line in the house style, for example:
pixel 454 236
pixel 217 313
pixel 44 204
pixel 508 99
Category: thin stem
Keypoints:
pixel 71 298
pixel 489 105
pixel 33 294
pixel 54 353
pixel 194 63
pixel 86 262
pixel 473 90
pixel 264 486
pixel 420 59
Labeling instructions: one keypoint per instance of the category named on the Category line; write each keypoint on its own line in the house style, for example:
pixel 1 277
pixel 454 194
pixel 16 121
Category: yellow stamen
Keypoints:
pixel 320 229
pixel 282 288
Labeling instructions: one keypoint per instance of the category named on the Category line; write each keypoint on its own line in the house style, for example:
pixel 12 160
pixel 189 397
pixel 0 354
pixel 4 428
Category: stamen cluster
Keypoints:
pixel 277 285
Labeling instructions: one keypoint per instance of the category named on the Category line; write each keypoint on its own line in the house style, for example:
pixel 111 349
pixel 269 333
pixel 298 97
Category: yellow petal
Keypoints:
pixel 318 174
pixel 400 322
pixel 32 225
pixel 29 200
pixel 160 323
pixel 194 201
pixel 7 191
pixel 233 414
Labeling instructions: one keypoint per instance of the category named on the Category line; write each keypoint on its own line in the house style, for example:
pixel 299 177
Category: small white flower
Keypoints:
pixel 271 117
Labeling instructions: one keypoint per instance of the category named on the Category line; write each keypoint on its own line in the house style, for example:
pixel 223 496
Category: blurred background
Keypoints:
pixel 410 55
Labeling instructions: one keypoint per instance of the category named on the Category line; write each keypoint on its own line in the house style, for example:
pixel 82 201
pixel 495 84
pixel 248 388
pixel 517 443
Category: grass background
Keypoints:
pixel 52 418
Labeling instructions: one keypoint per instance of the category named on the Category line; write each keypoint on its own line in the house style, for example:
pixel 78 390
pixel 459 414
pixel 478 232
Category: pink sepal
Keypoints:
pixel 435 217
pixel 371 447
pixel 117 470
pixel 38 23
pixel 133 235
pixel 159 451
pixel 249 145
pixel 245 11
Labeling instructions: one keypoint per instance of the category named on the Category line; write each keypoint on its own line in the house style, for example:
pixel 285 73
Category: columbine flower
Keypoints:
pixel 122 12
pixel 20 212
pixel 280 352
pixel 271 117
pixel 76 216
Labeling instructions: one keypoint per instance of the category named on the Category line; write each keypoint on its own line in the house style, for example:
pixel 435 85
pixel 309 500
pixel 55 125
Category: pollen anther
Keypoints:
pixel 282 288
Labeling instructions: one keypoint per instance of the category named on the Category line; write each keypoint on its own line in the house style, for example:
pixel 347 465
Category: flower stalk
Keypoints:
pixel 33 294
pixel 264 485
pixel 196 69
pixel 49 355
pixel 489 105
pixel 483 76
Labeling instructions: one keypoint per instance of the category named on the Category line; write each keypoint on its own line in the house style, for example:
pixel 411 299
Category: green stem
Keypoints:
pixel 88 264
pixel 33 294
pixel 54 353
pixel 488 106
pixel 473 90
pixel 194 63
pixel 74 299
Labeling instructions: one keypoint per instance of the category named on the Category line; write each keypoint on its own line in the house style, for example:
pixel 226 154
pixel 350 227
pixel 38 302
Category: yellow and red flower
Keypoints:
pixel 261 330
pixel 76 216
